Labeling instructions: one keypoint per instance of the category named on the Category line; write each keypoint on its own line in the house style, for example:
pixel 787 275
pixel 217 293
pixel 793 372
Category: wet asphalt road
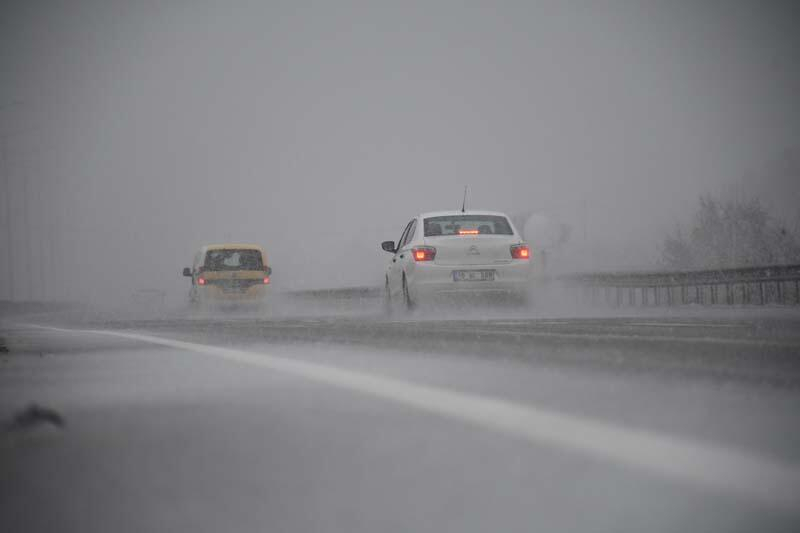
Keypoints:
pixel 637 423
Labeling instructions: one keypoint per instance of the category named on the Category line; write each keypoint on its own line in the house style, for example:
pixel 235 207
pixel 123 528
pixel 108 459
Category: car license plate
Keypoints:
pixel 233 286
pixel 473 275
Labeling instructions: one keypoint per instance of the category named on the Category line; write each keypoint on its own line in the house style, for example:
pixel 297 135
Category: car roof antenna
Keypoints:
pixel 464 203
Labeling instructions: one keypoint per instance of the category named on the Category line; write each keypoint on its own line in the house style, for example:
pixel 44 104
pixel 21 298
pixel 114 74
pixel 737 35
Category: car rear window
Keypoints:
pixel 467 225
pixel 233 259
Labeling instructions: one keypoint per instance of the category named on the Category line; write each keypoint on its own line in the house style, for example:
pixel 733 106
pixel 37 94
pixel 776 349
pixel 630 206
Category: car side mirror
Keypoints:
pixel 388 246
pixel 187 272
pixel 268 270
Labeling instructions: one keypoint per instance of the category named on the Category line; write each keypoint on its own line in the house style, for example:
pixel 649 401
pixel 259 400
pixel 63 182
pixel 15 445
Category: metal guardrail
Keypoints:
pixel 778 284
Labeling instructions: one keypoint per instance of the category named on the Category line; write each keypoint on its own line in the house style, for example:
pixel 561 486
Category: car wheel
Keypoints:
pixel 409 304
pixel 387 298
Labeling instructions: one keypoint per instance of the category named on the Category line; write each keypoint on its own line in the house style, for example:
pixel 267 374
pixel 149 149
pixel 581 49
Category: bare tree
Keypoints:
pixel 730 234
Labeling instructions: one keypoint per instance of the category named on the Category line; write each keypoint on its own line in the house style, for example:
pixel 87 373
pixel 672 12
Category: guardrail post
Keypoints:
pixel 761 293
pixel 669 295
pixel 631 296
pixel 713 294
pixel 644 296
pixel 728 294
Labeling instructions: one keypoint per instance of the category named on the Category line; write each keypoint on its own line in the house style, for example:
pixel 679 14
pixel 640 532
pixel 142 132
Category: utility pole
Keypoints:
pixel 9 233
pixel 41 241
pixel 583 217
pixel 27 229
pixel 52 259
pixel 7 195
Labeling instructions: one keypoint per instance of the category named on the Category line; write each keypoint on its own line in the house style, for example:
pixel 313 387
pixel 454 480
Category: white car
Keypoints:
pixel 455 252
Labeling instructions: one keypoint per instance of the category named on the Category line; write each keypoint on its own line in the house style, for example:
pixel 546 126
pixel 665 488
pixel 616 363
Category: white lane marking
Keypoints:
pixel 725 470
pixel 621 337
pixel 527 322
pixel 681 325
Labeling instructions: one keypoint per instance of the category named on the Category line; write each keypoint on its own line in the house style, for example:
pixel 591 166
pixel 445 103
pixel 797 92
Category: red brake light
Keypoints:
pixel 201 281
pixel 266 280
pixel 468 232
pixel 424 253
pixel 520 251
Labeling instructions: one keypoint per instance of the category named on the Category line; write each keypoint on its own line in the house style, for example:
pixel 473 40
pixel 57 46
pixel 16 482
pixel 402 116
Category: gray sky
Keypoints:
pixel 146 129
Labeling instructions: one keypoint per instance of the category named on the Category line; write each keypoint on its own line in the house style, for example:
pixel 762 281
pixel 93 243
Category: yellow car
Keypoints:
pixel 229 273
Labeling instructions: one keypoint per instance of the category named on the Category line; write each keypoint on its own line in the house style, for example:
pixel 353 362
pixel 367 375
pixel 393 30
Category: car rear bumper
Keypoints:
pixel 427 280
pixel 217 294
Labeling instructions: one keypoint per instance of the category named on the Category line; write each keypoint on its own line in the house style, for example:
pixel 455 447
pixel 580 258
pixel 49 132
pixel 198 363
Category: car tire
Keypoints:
pixel 387 299
pixel 407 302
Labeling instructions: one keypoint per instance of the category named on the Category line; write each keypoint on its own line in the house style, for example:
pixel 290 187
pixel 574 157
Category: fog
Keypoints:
pixel 134 132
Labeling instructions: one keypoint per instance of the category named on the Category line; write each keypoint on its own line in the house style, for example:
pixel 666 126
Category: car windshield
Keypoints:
pixel 467 225
pixel 233 259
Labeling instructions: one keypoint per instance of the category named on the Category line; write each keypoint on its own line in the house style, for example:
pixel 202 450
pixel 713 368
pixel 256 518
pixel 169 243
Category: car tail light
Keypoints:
pixel 424 253
pixel 266 280
pixel 201 281
pixel 468 232
pixel 520 251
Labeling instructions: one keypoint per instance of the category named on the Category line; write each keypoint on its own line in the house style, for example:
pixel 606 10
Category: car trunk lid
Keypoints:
pixel 472 249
